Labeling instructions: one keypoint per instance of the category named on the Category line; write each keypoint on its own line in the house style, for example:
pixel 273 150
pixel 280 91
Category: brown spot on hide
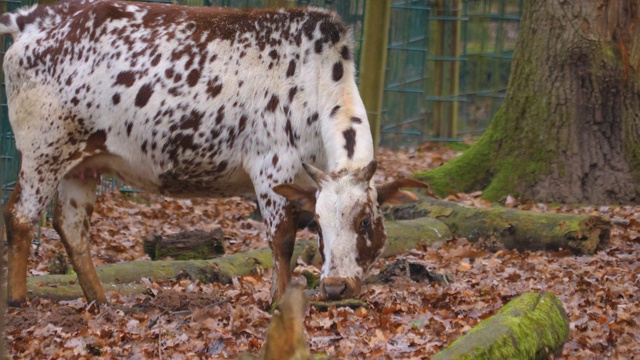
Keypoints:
pixel 345 53
pixel 291 70
pixel 313 118
pixel 375 234
pixel 292 93
pixel 213 87
pixel 192 121
pixel 291 134
pixel 193 77
pixel 242 124
pixel 126 78
pixel 156 60
pixel 350 138
pixel 96 141
pixel 273 103
pixel 338 71
pixel 145 92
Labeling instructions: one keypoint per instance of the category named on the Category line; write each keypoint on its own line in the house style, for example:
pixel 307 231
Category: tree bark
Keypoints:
pixel 513 229
pixel 531 326
pixel 569 128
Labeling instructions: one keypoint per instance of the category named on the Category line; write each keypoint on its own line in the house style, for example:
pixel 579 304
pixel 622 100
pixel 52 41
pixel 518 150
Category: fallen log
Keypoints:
pixel 514 229
pixel 531 326
pixel 402 237
pixel 188 245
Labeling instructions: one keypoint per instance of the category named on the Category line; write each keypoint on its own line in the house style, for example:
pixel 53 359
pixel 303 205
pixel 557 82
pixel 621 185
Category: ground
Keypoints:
pixel 405 319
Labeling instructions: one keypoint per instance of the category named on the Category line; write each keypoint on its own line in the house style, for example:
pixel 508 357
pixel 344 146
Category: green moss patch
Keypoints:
pixel 531 326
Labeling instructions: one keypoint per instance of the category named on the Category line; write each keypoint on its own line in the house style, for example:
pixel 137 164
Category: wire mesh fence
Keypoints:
pixel 448 67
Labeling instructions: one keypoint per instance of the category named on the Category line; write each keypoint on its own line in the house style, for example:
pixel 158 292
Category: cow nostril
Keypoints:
pixel 343 289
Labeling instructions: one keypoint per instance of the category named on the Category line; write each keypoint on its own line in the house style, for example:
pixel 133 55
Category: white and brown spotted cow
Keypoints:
pixel 189 102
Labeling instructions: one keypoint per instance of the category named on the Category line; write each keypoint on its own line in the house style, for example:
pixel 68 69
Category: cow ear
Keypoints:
pixel 302 198
pixel 390 193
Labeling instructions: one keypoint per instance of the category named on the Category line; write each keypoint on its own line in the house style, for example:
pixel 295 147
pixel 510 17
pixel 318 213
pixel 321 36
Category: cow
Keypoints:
pixel 192 102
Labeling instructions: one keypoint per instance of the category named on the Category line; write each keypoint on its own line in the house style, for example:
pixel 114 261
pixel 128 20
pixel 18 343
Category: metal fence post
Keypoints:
pixel 373 60
pixel 454 77
pixel 3 285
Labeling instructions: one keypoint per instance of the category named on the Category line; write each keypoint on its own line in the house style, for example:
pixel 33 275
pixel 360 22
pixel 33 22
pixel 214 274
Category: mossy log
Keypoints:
pixel 188 245
pixel 403 236
pixel 515 229
pixel 531 326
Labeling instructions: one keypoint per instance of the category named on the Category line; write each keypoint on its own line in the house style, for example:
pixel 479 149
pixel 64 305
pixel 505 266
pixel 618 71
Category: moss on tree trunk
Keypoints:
pixel 531 326
pixel 569 127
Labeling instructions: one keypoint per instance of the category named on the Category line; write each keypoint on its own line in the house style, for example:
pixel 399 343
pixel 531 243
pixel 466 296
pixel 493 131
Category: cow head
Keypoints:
pixel 351 232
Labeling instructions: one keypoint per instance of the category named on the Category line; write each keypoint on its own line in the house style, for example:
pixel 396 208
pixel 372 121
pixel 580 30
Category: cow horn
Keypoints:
pixel 366 173
pixel 316 174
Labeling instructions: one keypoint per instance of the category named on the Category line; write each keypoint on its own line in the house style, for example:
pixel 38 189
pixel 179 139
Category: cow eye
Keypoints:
pixel 365 223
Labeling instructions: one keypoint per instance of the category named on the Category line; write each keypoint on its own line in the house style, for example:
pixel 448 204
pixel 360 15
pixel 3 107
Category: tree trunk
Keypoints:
pixel 569 128
pixel 531 326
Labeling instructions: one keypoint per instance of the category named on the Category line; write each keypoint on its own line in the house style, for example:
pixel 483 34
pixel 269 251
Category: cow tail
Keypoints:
pixel 8 25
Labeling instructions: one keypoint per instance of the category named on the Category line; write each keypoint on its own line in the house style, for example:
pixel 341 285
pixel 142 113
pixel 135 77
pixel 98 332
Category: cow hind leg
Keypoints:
pixel 74 207
pixel 22 212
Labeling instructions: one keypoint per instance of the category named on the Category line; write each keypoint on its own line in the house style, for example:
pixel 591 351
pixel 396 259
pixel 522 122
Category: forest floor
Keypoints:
pixel 404 319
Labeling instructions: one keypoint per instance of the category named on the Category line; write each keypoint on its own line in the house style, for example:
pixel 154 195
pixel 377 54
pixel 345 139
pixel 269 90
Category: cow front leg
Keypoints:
pixel 280 219
pixel 74 207
pixel 282 242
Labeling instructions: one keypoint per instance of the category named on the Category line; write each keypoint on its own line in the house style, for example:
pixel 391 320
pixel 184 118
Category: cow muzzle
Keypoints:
pixel 338 288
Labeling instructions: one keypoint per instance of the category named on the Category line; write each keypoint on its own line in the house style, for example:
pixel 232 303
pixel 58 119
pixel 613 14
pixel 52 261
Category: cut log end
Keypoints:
pixel 188 245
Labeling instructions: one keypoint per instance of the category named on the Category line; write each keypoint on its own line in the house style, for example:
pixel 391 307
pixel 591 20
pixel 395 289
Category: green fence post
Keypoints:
pixel 3 286
pixel 455 68
pixel 437 40
pixel 373 60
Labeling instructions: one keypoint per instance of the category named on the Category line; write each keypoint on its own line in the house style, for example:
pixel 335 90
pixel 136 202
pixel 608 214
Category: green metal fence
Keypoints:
pixel 447 67
pixel 9 158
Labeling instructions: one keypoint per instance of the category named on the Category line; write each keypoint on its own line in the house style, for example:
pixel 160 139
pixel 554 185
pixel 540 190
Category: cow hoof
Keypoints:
pixel 17 303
